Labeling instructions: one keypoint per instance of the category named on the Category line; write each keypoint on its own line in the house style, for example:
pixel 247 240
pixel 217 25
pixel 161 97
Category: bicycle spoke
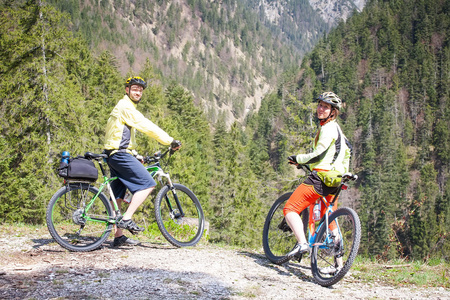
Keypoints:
pixel 332 259
pixel 278 238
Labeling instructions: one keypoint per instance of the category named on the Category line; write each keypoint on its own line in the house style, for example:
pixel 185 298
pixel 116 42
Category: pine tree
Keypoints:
pixel 34 88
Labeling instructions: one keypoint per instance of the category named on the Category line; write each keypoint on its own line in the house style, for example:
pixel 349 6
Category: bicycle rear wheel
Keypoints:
pixel 181 230
pixel 72 225
pixel 333 254
pixel 278 238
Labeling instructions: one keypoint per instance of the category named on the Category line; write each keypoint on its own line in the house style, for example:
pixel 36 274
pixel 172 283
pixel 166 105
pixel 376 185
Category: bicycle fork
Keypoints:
pixel 174 213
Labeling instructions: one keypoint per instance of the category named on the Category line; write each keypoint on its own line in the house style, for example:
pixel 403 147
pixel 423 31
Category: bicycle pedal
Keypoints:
pixel 135 232
pixel 298 256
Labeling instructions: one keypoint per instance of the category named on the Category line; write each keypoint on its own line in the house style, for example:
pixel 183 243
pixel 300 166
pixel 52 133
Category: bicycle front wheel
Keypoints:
pixel 335 249
pixel 179 215
pixel 75 222
pixel 278 238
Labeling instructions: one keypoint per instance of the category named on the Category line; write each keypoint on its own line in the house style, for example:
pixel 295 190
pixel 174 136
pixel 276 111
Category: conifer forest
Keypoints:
pixel 390 63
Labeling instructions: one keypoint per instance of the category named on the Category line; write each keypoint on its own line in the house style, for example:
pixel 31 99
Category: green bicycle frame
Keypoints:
pixel 106 182
pixel 155 171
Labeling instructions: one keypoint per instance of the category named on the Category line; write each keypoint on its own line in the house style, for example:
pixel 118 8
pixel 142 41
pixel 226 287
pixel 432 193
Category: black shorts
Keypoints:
pixel 132 174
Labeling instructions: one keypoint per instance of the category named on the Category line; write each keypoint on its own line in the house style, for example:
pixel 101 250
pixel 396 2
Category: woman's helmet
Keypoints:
pixel 136 80
pixel 331 98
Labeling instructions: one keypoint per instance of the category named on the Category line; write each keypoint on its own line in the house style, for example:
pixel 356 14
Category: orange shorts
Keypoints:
pixel 304 196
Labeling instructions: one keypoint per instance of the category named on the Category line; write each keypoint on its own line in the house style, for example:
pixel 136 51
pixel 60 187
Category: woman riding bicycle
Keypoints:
pixel 331 151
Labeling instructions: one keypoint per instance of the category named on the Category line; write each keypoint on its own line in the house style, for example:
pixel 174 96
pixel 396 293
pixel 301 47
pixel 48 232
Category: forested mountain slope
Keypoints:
pixel 221 51
pixel 228 53
pixel 390 64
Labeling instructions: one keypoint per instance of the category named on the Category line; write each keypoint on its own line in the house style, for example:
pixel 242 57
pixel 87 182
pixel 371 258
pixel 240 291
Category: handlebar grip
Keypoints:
pixel 148 159
pixel 172 151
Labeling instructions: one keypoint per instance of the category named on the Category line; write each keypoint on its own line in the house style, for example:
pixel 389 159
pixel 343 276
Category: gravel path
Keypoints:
pixel 37 268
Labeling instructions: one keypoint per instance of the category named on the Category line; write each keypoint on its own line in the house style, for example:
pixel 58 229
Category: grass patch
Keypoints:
pixel 154 235
pixel 22 229
pixel 403 273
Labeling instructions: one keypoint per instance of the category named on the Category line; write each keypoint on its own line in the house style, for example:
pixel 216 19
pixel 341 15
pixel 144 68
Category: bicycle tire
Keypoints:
pixel 180 231
pixel 71 226
pixel 327 254
pixel 278 238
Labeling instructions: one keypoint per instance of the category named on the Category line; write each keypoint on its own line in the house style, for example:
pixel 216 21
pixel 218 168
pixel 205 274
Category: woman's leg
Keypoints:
pixel 303 196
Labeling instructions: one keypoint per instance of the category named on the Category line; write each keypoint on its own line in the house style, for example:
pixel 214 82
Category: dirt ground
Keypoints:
pixel 32 266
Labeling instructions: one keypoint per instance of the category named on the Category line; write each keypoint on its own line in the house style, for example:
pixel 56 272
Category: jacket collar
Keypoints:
pixel 129 99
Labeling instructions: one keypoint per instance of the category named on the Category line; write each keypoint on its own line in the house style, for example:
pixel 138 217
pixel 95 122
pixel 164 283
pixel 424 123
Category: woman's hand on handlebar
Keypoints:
pixel 292 160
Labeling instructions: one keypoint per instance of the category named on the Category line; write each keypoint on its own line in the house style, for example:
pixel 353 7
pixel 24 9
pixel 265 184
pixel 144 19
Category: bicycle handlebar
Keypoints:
pixel 147 159
pixel 349 176
pixel 158 156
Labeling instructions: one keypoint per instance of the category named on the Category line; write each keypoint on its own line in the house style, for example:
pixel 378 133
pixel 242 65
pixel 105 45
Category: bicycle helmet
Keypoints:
pixel 331 98
pixel 136 80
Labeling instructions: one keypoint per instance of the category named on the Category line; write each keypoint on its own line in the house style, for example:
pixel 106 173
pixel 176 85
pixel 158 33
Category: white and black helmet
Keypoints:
pixel 331 98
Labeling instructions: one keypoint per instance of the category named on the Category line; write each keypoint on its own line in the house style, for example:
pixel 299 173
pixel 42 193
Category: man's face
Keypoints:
pixel 135 92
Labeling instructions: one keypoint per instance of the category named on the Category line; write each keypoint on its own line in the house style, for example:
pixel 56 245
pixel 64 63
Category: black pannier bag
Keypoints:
pixel 78 168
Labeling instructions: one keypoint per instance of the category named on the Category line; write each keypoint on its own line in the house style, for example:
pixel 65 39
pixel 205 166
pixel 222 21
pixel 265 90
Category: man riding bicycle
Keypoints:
pixel 120 145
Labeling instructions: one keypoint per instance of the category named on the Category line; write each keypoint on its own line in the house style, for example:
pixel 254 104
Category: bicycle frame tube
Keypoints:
pixel 153 169
pixel 113 197
pixel 323 222
pixel 157 172
pixel 106 182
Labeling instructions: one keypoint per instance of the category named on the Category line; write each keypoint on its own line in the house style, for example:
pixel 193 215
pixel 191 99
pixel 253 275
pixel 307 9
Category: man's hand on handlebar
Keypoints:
pixel 175 145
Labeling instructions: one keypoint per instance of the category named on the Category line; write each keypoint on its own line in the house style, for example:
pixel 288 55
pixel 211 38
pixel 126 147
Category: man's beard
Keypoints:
pixel 132 99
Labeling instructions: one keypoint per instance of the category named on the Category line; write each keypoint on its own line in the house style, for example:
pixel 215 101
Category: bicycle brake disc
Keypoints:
pixel 177 220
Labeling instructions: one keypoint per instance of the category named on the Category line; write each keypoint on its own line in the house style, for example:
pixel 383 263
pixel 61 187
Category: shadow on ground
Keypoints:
pixel 300 269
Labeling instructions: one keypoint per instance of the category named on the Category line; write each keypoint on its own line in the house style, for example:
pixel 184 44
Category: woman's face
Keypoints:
pixel 323 110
